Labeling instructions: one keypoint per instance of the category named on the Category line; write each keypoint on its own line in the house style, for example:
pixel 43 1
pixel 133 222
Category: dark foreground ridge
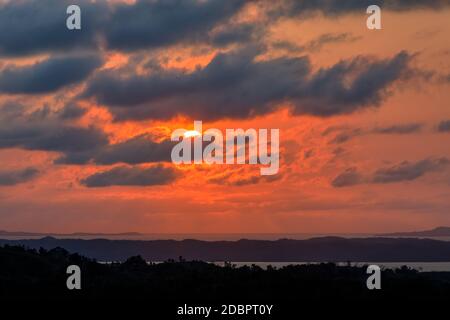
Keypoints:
pixel 325 249
pixel 436 232
pixel 32 274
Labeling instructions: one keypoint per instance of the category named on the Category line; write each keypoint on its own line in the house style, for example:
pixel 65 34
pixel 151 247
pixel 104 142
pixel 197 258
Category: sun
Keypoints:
pixel 191 133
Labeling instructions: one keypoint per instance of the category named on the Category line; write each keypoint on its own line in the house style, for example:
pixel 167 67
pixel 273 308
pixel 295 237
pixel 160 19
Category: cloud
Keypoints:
pixel 39 26
pixel 152 24
pixel 236 85
pixel 349 177
pixel 241 177
pixel 47 76
pixel 132 176
pixel 13 177
pixel 137 150
pixel 399 129
pixel 344 134
pixel 56 138
pixel 308 8
pixel 36 26
pixel 315 44
pixel 43 130
pixel 238 33
pixel 71 111
pixel 444 126
pixel 47 130
pixel 405 171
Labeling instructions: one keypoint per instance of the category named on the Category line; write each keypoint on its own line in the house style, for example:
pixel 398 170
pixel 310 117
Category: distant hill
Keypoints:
pixel 326 249
pixel 436 232
pixel 75 234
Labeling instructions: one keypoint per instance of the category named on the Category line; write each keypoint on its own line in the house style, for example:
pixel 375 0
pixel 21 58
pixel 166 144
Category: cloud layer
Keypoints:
pixel 13 177
pixel 236 85
pixel 132 176
pixel 405 171
pixel 47 76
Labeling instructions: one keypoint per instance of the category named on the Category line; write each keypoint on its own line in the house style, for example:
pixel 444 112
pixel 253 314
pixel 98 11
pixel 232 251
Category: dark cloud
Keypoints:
pixel 315 44
pixel 47 76
pixel 240 178
pixel 407 171
pixel 71 111
pixel 331 92
pixel 444 126
pixel 132 176
pixel 34 26
pixel 150 24
pixel 42 130
pixel 239 33
pixel 344 134
pixel 47 130
pixel 13 177
pixel 306 8
pixel 349 177
pixel 55 138
pixel 137 150
pixel 327 38
pixel 236 85
pixel 399 129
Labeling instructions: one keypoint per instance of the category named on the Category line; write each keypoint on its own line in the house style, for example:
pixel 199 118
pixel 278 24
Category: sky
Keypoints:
pixel 86 115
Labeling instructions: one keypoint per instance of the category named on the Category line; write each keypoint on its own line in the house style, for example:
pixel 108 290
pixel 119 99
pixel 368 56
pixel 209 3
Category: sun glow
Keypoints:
pixel 191 133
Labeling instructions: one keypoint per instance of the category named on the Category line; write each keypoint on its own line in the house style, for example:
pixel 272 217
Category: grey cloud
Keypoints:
pixel 349 177
pixel 399 129
pixel 239 33
pixel 239 178
pixel 55 138
pixel 13 177
pixel 235 85
pixel 149 24
pixel 132 176
pixel 315 44
pixel 405 171
pixel 327 38
pixel 444 126
pixel 344 134
pixel 71 111
pixel 307 8
pixel 47 76
pixel 42 130
pixel 137 150
pixel 35 26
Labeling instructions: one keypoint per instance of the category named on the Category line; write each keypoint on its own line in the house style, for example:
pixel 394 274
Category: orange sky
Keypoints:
pixel 236 199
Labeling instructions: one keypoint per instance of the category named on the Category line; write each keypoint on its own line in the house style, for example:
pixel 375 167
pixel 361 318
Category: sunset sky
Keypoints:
pixel 86 115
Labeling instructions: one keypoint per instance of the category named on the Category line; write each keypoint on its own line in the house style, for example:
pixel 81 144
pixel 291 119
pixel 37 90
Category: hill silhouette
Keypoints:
pixel 436 232
pixel 324 249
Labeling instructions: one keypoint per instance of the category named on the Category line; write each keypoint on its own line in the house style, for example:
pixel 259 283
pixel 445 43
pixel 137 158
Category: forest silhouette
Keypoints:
pixel 41 274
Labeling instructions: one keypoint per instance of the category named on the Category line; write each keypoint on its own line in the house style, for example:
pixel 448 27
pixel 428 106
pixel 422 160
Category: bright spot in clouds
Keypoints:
pixel 191 133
